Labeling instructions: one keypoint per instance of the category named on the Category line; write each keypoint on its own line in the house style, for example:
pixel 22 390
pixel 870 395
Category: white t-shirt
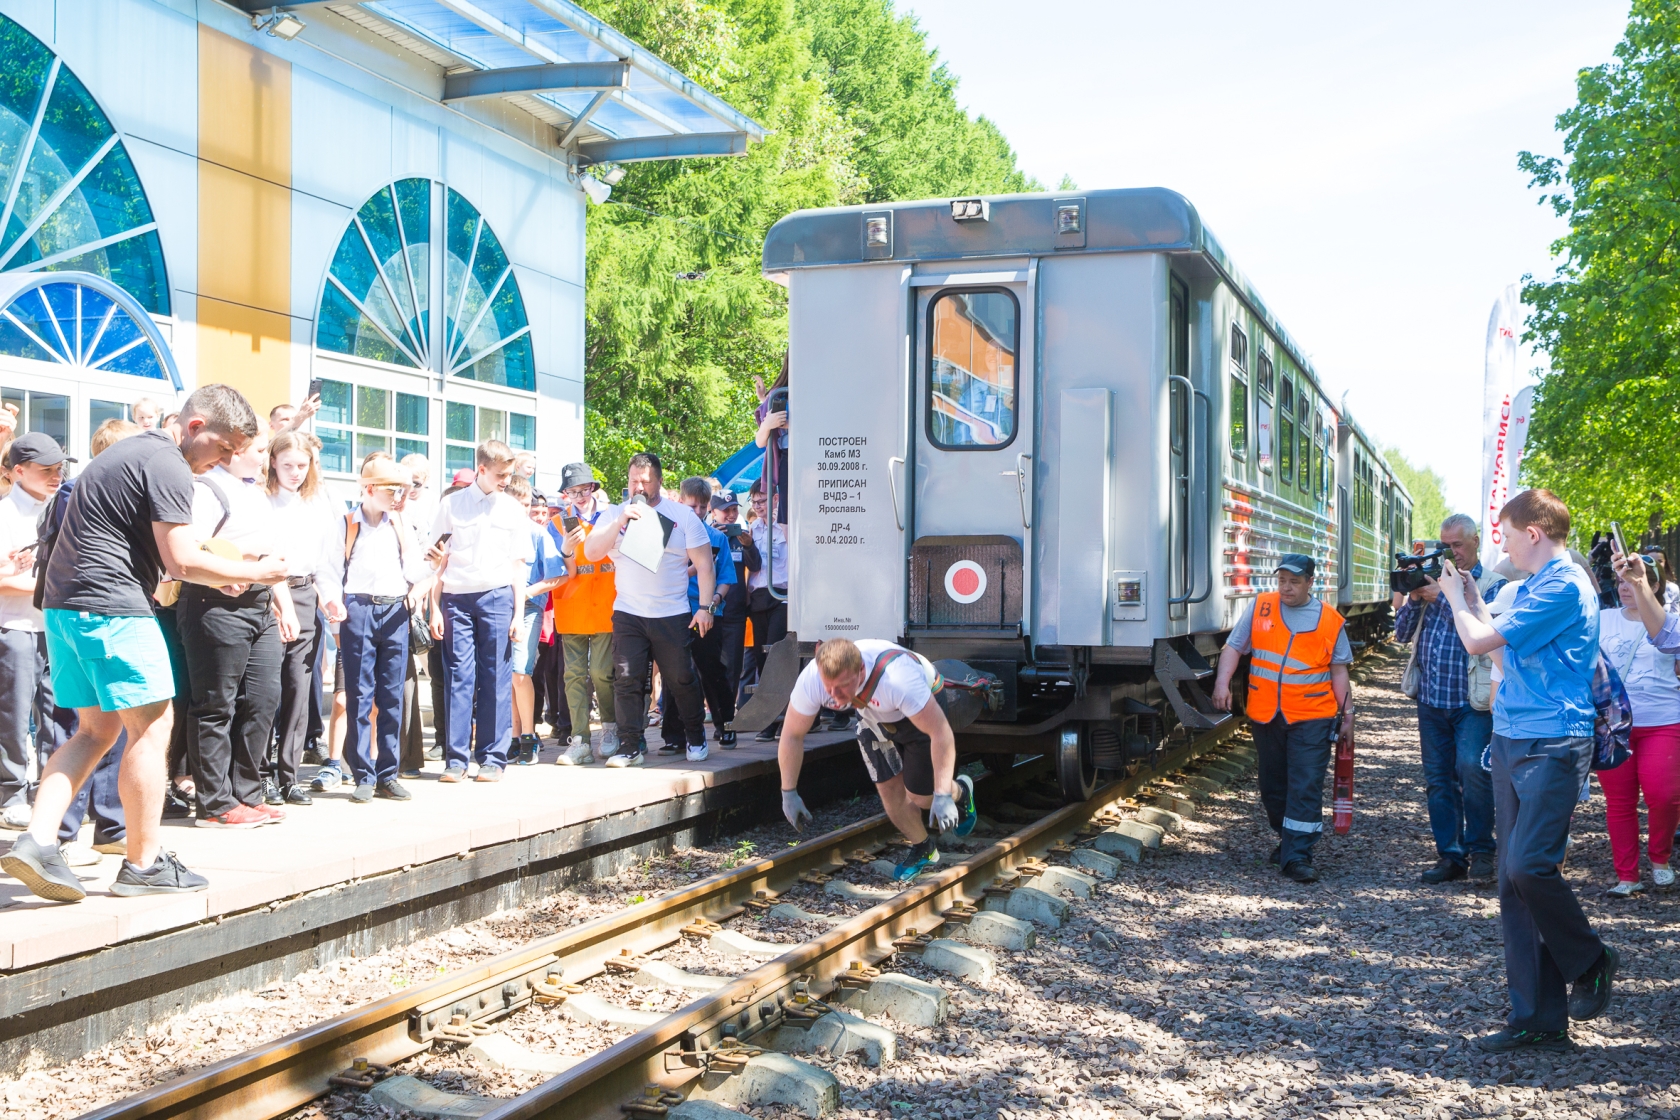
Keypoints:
pixel 250 518
pixel 662 593
pixel 18 516
pixel 902 691
pixel 1648 675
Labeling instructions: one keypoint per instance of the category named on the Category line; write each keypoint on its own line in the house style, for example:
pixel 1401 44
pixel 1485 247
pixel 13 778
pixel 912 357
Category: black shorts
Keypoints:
pixel 907 752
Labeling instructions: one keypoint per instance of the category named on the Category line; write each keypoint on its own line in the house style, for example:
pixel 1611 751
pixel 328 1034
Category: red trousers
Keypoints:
pixel 1654 769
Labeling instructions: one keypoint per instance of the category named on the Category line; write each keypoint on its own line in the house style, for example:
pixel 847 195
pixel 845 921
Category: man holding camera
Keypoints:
pixel 1455 714
pixel 1297 684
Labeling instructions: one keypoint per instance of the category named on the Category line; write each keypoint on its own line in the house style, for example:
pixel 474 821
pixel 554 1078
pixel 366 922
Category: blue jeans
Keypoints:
pixel 1460 791
pixel 373 643
pixel 478 656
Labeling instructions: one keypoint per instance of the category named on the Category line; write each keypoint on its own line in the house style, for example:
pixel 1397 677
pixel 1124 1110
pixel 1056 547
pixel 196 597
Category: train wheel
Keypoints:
pixel 1076 769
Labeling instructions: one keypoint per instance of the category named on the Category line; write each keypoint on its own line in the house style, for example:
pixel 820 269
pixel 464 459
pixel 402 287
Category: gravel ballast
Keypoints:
pixel 1197 983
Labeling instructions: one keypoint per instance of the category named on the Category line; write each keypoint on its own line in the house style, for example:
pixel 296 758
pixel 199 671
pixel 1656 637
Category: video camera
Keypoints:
pixel 1410 570
pixel 1604 575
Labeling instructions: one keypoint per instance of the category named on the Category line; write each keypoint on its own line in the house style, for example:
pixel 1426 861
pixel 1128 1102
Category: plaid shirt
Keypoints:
pixel 1442 661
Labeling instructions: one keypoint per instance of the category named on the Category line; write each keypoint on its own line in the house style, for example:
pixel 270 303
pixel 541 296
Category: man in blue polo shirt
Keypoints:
pixel 1542 749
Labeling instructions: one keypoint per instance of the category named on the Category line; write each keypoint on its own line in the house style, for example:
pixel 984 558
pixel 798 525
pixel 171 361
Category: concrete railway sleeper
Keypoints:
pixel 721 1048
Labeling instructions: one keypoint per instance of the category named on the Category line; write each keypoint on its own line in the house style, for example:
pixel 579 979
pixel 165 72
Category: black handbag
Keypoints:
pixel 420 640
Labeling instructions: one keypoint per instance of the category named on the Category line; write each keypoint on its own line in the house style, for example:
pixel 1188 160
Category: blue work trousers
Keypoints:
pixel 373 644
pixel 478 656
pixel 1548 941
pixel 1293 760
pixel 1460 792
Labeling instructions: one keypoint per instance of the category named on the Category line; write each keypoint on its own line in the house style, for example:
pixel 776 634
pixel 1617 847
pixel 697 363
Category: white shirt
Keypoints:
pixel 902 691
pixel 761 539
pixel 1648 675
pixel 490 542
pixel 662 593
pixel 250 519
pixel 18 516
pixel 378 566
pixel 307 530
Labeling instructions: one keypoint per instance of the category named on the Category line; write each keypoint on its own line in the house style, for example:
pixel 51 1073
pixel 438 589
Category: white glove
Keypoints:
pixel 944 812
pixel 793 808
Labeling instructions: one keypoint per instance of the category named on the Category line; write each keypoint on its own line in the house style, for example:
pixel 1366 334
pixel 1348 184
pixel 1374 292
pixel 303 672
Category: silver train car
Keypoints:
pixel 1061 438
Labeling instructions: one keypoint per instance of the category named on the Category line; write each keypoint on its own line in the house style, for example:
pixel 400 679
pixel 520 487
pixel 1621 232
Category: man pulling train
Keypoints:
pixel 907 742
pixel 1297 682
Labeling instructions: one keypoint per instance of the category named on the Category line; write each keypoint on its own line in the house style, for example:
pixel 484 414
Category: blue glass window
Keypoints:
pixel 378 301
pixel 972 339
pixel 72 324
pixel 71 201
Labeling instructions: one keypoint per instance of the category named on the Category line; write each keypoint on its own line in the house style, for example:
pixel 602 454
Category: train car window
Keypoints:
pixel 1239 416
pixel 1286 430
pixel 972 344
pixel 1263 374
pixel 1305 440
pixel 1239 348
pixel 1318 458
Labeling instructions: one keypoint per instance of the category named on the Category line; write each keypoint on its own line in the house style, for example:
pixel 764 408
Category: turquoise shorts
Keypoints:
pixel 110 662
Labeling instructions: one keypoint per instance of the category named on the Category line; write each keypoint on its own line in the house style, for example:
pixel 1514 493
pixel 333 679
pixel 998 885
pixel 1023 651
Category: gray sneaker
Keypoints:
pixel 42 870
pixel 166 875
pixel 609 742
pixel 327 778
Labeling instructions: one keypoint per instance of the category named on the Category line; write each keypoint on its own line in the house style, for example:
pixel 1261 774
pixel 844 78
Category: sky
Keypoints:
pixel 1357 161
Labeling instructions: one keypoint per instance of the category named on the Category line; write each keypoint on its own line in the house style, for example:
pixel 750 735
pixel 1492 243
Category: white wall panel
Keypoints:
pixel 416 147
pixel 340 140
pixel 317 226
pixel 139 60
pixel 170 179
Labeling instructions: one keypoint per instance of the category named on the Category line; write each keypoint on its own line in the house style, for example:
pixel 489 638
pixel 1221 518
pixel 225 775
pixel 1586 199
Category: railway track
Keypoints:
pixel 696 1047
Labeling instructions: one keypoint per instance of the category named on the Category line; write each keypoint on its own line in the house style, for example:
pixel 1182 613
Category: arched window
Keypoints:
pixel 71 200
pixel 389 298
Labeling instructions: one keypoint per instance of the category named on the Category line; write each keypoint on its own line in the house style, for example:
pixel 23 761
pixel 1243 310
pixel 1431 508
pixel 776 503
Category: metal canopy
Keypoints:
pixel 608 99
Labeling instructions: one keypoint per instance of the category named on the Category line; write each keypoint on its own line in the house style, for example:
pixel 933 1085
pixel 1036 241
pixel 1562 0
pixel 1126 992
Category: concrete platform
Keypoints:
pixel 337 878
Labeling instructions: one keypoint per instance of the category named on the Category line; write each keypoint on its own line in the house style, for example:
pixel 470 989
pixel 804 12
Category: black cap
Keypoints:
pixel 36 447
pixel 725 499
pixel 1296 563
pixel 577 474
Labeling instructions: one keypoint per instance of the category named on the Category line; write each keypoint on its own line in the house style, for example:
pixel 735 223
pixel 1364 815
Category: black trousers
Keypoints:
pixel 1294 758
pixel 411 735
pixel 297 683
pixel 665 642
pixel 1548 941
pixel 711 659
pixel 317 729
pixel 550 682
pixel 769 627
pixel 440 695
pixel 233 656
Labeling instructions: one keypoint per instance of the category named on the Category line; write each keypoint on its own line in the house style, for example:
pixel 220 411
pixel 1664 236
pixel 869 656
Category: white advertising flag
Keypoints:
pixel 1498 388
pixel 1522 409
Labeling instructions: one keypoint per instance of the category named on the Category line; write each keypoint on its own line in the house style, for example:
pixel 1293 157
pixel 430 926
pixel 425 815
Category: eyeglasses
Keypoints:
pixel 578 493
pixel 394 491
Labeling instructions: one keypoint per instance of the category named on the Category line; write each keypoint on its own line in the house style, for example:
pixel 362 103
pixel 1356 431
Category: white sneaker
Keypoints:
pixel 1662 875
pixel 77 854
pixel 637 758
pixel 15 816
pixel 577 753
pixel 698 754
pixel 472 771
pixel 609 742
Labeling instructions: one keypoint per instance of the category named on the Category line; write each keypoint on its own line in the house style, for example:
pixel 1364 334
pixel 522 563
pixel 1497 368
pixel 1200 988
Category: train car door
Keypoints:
pixel 972 506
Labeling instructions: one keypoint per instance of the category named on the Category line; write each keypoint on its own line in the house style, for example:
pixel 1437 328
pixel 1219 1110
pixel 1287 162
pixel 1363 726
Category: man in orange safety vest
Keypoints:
pixel 1297 682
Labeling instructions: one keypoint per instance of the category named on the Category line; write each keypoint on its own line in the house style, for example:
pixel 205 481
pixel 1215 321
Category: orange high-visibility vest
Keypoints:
pixel 1290 671
pixel 583 604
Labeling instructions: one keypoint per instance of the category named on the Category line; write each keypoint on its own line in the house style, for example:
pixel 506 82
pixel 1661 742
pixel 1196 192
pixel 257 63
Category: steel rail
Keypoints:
pixel 672 1053
pixel 271 1079
pixel 292 1070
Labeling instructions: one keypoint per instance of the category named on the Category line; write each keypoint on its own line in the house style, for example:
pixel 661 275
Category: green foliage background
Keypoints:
pixel 1429 503
pixel 859 109
pixel 1606 432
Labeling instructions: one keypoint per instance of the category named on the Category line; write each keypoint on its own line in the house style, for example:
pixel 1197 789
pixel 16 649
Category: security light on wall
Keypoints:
pixel 597 191
pixel 614 177
pixel 283 25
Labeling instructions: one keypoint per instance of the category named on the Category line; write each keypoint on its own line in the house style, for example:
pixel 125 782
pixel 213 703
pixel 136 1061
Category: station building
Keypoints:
pixel 386 196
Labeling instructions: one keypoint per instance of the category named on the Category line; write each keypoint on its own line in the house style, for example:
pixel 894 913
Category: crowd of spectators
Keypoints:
pixel 193 620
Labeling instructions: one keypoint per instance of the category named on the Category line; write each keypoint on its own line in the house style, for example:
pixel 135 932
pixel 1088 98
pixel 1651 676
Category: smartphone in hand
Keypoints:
pixel 568 522
pixel 1616 535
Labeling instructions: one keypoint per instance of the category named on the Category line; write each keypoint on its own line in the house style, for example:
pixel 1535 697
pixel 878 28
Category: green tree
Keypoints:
pixel 1606 433
pixel 678 318
pixel 1424 484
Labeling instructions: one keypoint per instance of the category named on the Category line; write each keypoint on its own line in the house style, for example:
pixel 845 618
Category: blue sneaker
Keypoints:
pixel 921 857
pixel 329 777
pixel 965 806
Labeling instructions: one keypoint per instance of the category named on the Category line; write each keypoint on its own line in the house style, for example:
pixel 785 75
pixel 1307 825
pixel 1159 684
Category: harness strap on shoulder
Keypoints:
pixel 867 693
